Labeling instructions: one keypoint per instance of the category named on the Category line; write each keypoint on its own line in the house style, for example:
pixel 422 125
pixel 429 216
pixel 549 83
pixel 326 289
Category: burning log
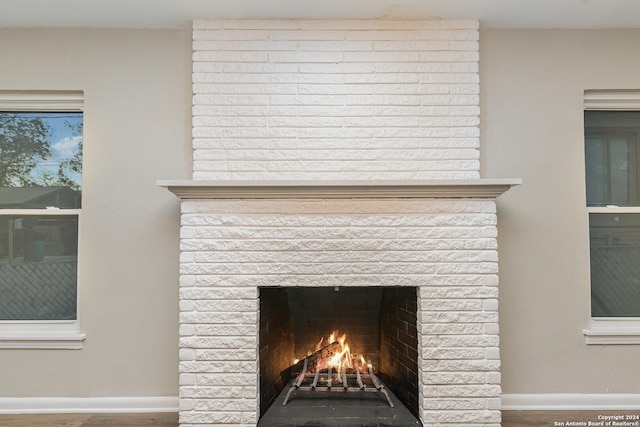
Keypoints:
pixel 323 357
pixel 319 359
pixel 319 366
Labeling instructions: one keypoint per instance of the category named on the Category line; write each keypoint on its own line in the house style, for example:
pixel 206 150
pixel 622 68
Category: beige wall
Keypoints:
pixel 532 85
pixel 137 130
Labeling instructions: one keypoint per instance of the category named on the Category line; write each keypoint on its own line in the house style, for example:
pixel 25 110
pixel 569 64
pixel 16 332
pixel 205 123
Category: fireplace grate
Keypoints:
pixel 323 380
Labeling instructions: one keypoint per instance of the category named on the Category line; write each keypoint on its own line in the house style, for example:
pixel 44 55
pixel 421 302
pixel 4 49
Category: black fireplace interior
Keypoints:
pixel 380 324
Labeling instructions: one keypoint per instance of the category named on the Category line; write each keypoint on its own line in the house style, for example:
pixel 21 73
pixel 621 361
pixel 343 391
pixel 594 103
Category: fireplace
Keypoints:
pixel 356 341
pixel 250 249
pixel 342 155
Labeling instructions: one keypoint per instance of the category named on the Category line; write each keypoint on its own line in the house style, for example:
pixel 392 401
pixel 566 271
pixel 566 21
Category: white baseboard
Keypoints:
pixel 85 405
pixel 569 402
pixel 99 405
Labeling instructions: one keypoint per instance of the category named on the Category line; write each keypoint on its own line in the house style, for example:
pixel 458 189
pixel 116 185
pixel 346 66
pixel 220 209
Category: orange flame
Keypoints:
pixel 341 360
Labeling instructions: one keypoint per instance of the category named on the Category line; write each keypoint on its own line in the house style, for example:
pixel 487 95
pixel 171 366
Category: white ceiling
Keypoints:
pixel 178 14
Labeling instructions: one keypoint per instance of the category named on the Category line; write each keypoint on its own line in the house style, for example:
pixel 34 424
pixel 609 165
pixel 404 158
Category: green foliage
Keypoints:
pixel 23 144
pixel 74 164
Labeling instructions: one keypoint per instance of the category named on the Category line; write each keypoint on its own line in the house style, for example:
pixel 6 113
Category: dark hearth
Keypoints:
pixel 337 409
pixel 381 328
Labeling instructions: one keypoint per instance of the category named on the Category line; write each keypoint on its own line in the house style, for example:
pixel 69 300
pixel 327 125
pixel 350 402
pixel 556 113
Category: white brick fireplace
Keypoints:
pixel 338 154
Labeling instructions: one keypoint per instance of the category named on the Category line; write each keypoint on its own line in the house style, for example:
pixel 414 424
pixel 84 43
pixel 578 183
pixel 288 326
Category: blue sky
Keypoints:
pixel 63 142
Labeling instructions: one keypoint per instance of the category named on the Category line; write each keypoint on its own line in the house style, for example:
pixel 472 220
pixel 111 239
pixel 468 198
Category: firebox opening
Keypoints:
pixel 380 324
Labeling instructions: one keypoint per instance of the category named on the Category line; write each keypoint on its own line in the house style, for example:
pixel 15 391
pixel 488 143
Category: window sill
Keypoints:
pixel 63 335
pixel 42 341
pixel 613 331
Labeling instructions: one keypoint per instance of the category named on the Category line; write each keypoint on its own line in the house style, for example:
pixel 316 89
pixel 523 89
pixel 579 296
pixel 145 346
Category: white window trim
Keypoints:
pixel 612 330
pixel 612 100
pixel 64 334
pixel 37 334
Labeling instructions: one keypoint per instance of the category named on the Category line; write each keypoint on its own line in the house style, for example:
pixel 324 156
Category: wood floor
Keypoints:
pixel 90 420
pixel 509 419
pixel 567 418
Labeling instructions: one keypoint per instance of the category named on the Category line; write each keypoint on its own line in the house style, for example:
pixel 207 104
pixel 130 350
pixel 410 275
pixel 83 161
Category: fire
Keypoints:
pixel 342 359
pixel 339 357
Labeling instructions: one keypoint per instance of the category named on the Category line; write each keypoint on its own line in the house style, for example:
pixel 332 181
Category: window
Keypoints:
pixel 611 156
pixel 612 176
pixel 41 140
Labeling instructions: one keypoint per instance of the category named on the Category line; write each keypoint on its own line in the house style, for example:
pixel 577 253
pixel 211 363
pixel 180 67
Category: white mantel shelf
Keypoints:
pixel 325 189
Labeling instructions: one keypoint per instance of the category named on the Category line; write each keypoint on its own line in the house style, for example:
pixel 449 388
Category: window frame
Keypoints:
pixel 44 334
pixel 610 330
pixel 634 139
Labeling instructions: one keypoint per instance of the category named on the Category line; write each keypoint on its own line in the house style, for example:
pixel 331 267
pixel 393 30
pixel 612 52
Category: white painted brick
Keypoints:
pixel 186 405
pixel 226 56
pixel 212 318
pixel 217 367
pixel 347 24
pixel 219 293
pixel 187 379
pixel 206 24
pixel 244 100
pixel 490 232
pixel 465 89
pixel 467 268
pixel 186 232
pixel 226 355
pixel 333 46
pixel 469 390
pixel 435 305
pixel 430 292
pixel 462 417
pixel 247 34
pixel 222 405
pixel 492 353
pixel 469 341
pixel 271 24
pixel 464 45
pixel 491 256
pixel 187 257
pixel 451 329
pixel 224 379
pixel 453 404
pixel 484 365
pixel 187 280
pixel 490 305
pixel 186 305
pixel 186 330
pixel 493 378
pixel 297 63
pixel 325 35
pixel 226 305
pixel 225 330
pixel 494 404
pixel 459 317
pixel 344 100
pixel 452 353
pixel 446 281
pixel 413 46
pixel 491 329
pixel 218 392
pixel 187 354
pixel 210 418
pixel 465 67
pixel 426 24
pixel 219 342
pixel 458 378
